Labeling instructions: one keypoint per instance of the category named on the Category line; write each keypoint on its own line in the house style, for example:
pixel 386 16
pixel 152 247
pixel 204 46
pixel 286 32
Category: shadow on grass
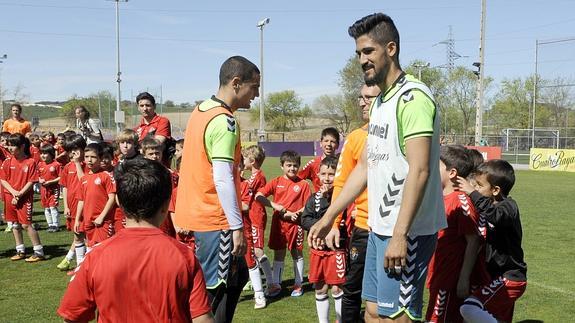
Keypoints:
pixel 285 293
pixel 530 321
pixel 50 251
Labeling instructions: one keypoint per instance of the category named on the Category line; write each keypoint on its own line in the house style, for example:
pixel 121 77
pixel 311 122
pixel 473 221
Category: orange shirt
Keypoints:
pixel 17 126
pixel 350 154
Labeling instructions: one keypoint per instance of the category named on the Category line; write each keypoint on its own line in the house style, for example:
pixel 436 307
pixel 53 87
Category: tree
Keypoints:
pixel 283 111
pixel 342 113
pixel 512 105
pixel 169 104
pixel 351 78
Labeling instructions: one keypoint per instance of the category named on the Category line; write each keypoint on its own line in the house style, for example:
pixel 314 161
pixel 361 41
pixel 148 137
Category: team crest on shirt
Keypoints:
pixel 98 181
pixel 296 188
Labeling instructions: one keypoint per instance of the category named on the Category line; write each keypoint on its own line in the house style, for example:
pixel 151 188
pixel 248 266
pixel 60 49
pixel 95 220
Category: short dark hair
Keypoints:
pixel 290 156
pixel 329 161
pixel 19 140
pixel 107 149
pixel 142 187
pixel 330 131
pixel 146 96
pixel 74 141
pixel 17 105
pixel 96 148
pixel 457 157
pixel 5 134
pixel 499 173
pixel 237 66
pixel 379 27
pixel 476 156
pixel 69 133
pixel 83 108
pixel 48 149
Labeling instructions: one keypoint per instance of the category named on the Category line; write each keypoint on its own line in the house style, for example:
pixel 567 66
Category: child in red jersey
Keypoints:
pixel 327 267
pixel 48 138
pixel 290 195
pixel 3 155
pixel 35 143
pixel 19 173
pixel 61 154
pixel 455 268
pixel 49 176
pixel 140 274
pixel 495 301
pixel 70 182
pixel 96 200
pixel 329 142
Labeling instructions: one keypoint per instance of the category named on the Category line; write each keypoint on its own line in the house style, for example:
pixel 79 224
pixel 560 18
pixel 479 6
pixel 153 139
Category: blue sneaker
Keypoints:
pixel 297 291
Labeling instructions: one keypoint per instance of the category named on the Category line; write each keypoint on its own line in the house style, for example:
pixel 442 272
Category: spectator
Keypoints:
pixel 17 124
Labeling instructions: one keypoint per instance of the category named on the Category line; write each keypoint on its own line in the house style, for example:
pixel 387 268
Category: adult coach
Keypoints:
pixel 208 200
pixel 151 124
pixel 400 166
pixel 16 124
pixel 87 127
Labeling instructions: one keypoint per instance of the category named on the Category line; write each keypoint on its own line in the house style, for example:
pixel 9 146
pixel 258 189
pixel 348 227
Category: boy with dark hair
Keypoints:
pixel 329 142
pixel 49 176
pixel 290 195
pixel 494 302
pixel 455 267
pixel 168 278
pixel 35 143
pixel 96 199
pixel 327 267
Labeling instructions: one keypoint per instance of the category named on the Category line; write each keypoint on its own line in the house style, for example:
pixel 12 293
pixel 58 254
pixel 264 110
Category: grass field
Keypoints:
pixel 31 292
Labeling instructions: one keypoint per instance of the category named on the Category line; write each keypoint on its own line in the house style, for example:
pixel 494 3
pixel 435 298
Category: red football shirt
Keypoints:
pixel 35 153
pixel 446 262
pixel 291 194
pixel 64 159
pixel 139 275
pixel 257 210
pixel 49 171
pixel 19 172
pixel 159 124
pixel 69 179
pixel 310 171
pixel 4 153
pixel 94 192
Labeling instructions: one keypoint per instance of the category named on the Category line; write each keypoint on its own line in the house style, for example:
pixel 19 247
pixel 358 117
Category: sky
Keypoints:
pixel 60 48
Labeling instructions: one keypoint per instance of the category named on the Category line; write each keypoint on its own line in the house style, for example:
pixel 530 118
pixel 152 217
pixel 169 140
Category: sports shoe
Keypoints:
pixel 274 290
pixel 50 229
pixel 18 256
pixel 260 302
pixel 297 291
pixel 8 228
pixel 34 258
pixel 64 265
pixel 248 286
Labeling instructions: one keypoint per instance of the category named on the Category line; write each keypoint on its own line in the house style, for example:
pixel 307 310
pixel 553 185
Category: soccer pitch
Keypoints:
pixel 32 292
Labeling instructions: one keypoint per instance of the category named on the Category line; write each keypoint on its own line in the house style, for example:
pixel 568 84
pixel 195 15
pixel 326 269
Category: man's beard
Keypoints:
pixel 378 78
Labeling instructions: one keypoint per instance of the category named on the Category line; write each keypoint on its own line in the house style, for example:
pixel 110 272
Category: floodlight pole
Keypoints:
pixel 1 101
pixel 535 80
pixel 119 73
pixel 261 130
pixel 479 108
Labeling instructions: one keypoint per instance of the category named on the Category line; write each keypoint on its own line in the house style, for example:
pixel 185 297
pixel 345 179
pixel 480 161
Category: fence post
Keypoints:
pixel 516 152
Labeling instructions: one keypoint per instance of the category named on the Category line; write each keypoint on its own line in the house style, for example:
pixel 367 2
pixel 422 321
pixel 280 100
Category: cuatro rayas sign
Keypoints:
pixel 552 159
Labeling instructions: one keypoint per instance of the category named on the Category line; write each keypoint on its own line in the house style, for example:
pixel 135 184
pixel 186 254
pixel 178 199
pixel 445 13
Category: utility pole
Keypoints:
pixel 420 67
pixel 2 102
pixel 119 115
pixel 479 65
pixel 261 130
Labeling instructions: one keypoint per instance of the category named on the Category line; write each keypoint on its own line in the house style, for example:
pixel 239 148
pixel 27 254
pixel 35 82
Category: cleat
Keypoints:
pixel 64 265
pixel 35 258
pixel 260 302
pixel 274 290
pixel 297 291
pixel 18 256
pixel 8 228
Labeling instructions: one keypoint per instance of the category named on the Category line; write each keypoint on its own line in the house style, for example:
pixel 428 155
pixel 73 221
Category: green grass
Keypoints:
pixel 31 292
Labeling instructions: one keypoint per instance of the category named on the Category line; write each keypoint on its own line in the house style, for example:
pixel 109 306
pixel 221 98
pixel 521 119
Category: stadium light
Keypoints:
pixel 261 130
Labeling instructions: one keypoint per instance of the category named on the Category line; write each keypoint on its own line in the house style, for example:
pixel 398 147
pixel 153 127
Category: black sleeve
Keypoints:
pixel 309 216
pixel 486 207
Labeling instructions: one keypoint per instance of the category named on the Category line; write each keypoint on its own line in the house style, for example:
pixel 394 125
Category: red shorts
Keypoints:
pixel 250 257
pixel 443 306
pixel 49 196
pixel 499 296
pixel 284 235
pixel 327 267
pixel 258 236
pixel 96 234
pixel 21 212
pixel 70 221
pixel 258 215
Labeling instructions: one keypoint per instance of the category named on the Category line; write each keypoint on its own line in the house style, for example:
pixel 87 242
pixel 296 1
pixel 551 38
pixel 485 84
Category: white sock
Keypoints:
pixel 277 272
pixel 48 217
pixel 322 307
pixel 298 271
pixel 20 248
pixel 70 255
pixel 473 312
pixel 80 248
pixel 256 279
pixel 39 250
pixel 267 268
pixel 337 304
pixel 55 216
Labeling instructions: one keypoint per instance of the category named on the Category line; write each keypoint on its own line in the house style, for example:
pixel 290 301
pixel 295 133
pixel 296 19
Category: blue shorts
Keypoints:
pixel 397 293
pixel 214 251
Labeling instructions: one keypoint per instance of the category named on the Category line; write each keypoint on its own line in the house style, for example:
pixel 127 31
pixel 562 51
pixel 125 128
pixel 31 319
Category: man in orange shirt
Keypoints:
pixel 16 124
pixel 350 153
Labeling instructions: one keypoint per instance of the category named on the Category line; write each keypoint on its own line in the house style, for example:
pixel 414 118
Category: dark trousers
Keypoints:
pixel 224 298
pixel 351 301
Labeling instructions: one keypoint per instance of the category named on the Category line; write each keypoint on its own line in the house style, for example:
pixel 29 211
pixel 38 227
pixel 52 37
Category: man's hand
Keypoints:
pixel 332 239
pixel 395 254
pixel 239 242
pixel 463 185
pixel 318 232
pixel 462 288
